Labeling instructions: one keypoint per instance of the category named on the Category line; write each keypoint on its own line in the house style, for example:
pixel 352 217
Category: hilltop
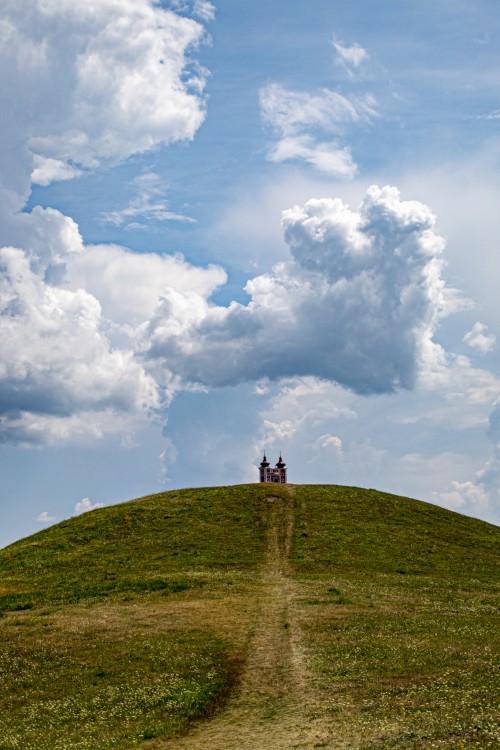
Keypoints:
pixel 255 616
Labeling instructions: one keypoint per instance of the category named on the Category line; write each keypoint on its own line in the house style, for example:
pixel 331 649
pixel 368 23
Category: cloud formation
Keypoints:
pixel 84 506
pixel 481 494
pixel 85 85
pixel 57 361
pixel 126 81
pixel 300 123
pixel 95 339
pixel 351 57
pixel 130 285
pixel 357 304
pixel 70 319
pixel 203 9
pixel 327 443
pixel 45 517
pixel 478 338
pixel 149 204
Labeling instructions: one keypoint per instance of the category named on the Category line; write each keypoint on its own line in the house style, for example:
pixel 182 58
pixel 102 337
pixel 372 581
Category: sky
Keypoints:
pixel 229 228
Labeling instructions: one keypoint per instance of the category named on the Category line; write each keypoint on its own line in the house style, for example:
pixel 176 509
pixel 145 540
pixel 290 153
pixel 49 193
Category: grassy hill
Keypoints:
pixel 310 616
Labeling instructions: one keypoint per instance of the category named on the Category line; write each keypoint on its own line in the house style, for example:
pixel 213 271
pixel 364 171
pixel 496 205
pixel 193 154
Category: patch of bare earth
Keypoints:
pixel 272 706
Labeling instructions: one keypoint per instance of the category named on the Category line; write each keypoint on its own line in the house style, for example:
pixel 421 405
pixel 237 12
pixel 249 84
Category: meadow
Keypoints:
pixel 141 624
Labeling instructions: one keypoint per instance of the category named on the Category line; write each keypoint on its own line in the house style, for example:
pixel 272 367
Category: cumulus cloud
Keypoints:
pixel 56 360
pixel 478 338
pixel 93 339
pixel 357 304
pixel 86 85
pixel 329 443
pixel 478 497
pixel 52 170
pixel 45 235
pixel 465 494
pixel 481 494
pixel 69 320
pixel 105 79
pixel 301 406
pixel 84 506
pixel 45 517
pixel 94 336
pixel 69 367
pixel 130 285
pixel 300 121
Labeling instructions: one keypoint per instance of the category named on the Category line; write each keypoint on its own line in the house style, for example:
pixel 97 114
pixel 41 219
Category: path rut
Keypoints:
pixel 269 708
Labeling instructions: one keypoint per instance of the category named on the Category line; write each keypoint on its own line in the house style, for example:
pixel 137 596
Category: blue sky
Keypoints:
pixel 233 226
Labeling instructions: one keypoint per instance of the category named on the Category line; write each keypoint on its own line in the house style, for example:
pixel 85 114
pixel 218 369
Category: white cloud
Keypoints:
pixel 56 360
pixel 350 56
pixel 86 85
pixel 300 120
pixel 325 157
pixel 69 367
pixel 48 237
pixel 465 495
pixel 149 203
pixel 247 232
pixel 200 8
pixel 358 304
pixel 167 457
pixel 478 339
pixel 495 115
pixel 298 418
pixel 302 405
pixel 94 83
pixel 479 496
pixel 84 506
pixel 204 10
pixel 130 285
pixel 289 112
pixel 50 170
pixel 328 443
pixel 44 517
pixel 261 388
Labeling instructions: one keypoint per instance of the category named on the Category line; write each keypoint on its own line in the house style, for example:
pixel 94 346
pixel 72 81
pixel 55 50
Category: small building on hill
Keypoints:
pixel 268 474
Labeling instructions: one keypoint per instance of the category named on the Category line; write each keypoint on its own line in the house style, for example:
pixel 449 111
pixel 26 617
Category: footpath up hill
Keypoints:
pixel 255 616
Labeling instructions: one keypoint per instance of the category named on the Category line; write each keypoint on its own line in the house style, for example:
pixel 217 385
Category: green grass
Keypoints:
pixel 345 528
pixel 126 624
pixel 103 643
pixel 89 691
pixel 405 625
pixel 157 542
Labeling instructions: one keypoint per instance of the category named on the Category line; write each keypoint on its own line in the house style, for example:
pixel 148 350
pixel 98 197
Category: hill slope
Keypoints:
pixel 306 616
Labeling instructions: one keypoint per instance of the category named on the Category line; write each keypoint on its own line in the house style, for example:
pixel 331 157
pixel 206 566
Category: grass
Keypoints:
pixel 404 626
pixel 83 691
pixel 104 644
pixel 154 543
pixel 124 625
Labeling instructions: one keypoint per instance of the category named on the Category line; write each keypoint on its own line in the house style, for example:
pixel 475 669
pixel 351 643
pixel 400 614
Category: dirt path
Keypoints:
pixel 269 710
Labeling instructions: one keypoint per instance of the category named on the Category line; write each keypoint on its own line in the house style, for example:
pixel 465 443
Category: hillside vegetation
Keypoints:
pixel 256 616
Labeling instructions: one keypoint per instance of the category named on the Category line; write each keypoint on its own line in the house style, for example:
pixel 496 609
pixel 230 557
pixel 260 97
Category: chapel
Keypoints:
pixel 268 474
